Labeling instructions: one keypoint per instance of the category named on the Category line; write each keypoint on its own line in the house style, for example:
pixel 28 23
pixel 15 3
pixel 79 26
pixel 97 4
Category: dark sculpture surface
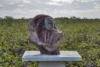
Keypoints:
pixel 44 34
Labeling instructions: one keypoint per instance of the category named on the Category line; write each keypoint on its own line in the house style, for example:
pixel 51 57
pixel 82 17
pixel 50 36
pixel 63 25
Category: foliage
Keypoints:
pixel 82 35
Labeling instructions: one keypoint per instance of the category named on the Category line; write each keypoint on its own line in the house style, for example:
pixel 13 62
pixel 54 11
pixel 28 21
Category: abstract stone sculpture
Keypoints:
pixel 44 34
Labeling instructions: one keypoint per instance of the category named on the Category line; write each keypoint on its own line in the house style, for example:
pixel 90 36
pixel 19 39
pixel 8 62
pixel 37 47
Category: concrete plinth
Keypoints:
pixel 51 60
pixel 51 64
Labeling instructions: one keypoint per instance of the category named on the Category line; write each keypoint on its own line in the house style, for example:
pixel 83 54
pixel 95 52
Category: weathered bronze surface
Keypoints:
pixel 45 35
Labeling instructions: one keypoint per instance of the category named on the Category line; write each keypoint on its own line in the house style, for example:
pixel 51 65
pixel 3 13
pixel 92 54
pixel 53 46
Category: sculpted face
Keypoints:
pixel 49 23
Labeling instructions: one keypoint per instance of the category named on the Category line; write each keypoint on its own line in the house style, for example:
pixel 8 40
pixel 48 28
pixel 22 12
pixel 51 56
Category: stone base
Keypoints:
pixel 51 60
pixel 51 64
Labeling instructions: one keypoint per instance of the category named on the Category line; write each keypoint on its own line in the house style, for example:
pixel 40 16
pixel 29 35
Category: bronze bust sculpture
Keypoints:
pixel 45 35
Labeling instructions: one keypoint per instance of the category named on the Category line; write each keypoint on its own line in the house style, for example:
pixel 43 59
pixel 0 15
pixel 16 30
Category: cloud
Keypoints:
pixel 1 5
pixel 14 1
pixel 55 8
pixel 23 12
pixel 71 1
pixel 26 1
pixel 11 1
pixel 21 5
pixel 67 1
pixel 53 3
pixel 85 0
pixel 97 5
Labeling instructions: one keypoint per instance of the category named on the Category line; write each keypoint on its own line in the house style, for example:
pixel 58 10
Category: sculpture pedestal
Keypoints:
pixel 51 64
pixel 51 60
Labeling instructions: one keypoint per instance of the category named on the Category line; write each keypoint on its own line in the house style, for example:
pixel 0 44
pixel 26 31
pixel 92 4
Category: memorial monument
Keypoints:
pixel 45 35
pixel 47 38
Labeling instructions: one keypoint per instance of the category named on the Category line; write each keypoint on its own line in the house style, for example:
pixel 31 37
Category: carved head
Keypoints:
pixel 49 23
pixel 41 22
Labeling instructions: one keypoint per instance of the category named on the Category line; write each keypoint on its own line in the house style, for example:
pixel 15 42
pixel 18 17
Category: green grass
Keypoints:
pixel 82 36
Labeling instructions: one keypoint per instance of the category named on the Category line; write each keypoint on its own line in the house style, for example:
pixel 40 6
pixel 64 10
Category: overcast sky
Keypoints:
pixel 55 8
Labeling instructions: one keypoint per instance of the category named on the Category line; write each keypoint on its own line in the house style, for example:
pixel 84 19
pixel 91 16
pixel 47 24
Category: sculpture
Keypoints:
pixel 44 34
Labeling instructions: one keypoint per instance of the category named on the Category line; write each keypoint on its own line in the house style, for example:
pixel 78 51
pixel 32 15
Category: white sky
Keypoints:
pixel 55 8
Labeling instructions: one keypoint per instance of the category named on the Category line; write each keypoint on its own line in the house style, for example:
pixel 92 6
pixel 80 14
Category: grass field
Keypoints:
pixel 82 35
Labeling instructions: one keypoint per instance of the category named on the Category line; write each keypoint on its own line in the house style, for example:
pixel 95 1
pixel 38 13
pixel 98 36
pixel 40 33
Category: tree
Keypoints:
pixel 9 20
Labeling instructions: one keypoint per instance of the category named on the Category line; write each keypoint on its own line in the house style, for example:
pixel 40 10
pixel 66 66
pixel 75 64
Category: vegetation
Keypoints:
pixel 82 35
